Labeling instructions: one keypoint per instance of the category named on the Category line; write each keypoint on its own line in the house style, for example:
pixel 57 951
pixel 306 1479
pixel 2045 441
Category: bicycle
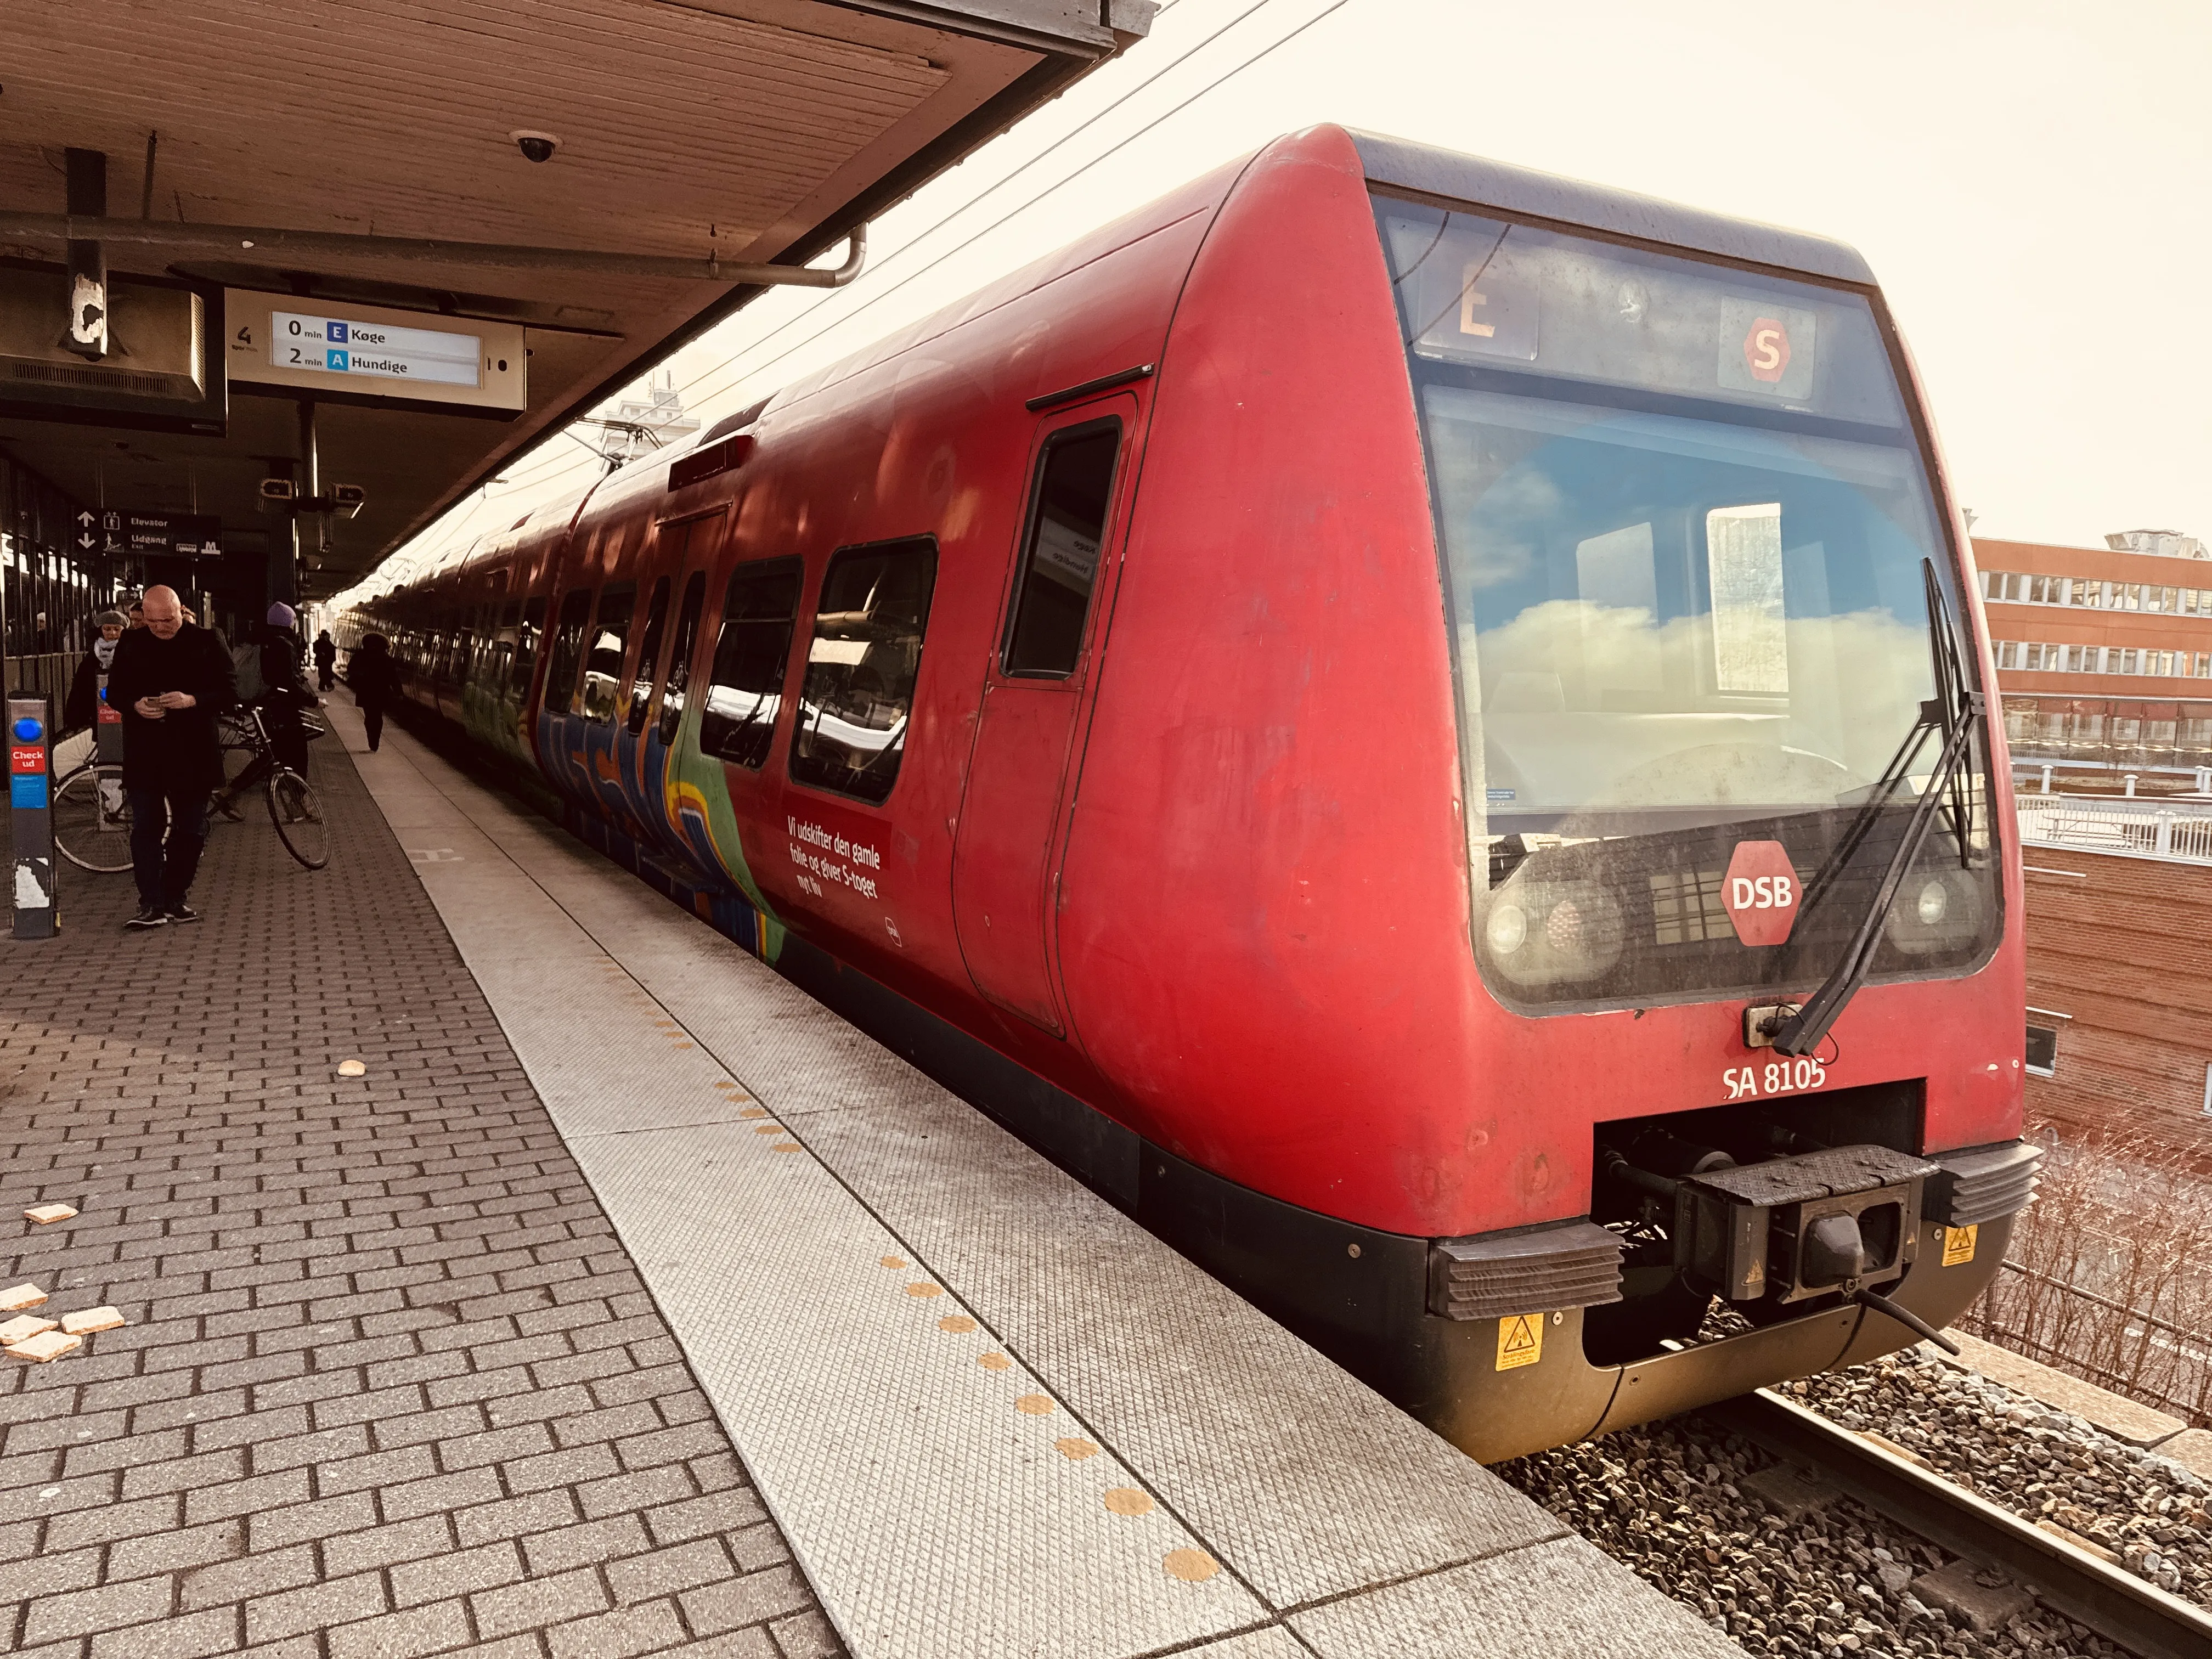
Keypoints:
pixel 92 819
pixel 294 806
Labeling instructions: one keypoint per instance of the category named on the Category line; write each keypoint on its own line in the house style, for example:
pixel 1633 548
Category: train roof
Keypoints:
pixel 1525 193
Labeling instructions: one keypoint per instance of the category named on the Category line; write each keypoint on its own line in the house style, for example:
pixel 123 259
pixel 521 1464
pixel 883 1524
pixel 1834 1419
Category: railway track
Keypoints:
pixel 2114 1603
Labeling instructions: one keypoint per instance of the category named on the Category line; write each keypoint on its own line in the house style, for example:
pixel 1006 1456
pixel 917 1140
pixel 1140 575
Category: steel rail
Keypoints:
pixel 2114 1603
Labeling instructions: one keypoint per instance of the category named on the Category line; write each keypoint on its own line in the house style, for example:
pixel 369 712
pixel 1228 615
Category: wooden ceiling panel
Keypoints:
pixel 393 118
pixel 750 129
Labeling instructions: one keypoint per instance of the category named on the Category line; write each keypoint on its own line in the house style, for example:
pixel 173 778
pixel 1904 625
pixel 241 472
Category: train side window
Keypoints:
pixel 1059 563
pixel 569 650
pixel 744 692
pixel 861 666
pixel 526 645
pixel 603 665
pixel 679 660
pixel 648 655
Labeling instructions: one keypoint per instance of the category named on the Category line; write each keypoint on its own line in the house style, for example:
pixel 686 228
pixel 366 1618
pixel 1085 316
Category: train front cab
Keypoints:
pixel 1702 622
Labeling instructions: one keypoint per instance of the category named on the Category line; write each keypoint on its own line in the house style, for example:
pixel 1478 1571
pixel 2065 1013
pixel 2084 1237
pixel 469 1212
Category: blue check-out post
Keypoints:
pixel 31 815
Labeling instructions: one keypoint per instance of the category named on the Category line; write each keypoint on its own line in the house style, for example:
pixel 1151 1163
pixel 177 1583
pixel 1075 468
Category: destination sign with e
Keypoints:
pixel 349 346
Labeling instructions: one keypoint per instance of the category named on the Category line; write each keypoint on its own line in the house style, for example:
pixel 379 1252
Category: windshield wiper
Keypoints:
pixel 1952 712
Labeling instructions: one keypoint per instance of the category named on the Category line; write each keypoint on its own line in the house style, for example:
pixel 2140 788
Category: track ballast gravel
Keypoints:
pixel 2040 1462
pixel 1667 1500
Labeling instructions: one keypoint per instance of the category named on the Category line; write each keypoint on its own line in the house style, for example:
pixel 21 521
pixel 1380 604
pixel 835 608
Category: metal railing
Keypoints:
pixel 2181 1383
pixel 45 675
pixel 2171 828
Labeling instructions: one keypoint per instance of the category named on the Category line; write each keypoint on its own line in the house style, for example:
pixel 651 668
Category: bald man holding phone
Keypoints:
pixel 170 678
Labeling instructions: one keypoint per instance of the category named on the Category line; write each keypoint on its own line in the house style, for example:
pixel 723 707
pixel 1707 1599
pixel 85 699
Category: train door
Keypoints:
pixel 1003 878
pixel 675 806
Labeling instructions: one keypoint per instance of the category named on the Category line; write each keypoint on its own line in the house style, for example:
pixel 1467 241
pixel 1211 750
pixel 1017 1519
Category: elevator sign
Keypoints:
pixel 359 353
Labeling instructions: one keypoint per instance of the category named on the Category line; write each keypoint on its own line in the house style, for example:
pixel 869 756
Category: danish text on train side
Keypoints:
pixel 834 861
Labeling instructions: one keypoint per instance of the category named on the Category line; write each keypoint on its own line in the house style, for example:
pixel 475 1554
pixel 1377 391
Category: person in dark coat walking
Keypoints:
pixel 373 678
pixel 170 678
pixel 326 657
pixel 82 709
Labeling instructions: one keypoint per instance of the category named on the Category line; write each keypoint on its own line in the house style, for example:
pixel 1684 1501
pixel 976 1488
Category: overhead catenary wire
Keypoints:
pixel 555 466
pixel 569 465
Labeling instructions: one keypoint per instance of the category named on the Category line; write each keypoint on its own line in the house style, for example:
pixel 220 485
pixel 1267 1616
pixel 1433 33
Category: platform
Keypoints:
pixel 988 1414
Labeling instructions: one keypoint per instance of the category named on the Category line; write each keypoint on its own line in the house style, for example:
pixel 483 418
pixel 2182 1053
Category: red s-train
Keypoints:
pixel 1412 722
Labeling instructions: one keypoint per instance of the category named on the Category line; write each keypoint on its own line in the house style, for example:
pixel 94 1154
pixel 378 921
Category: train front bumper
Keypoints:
pixel 1502 1372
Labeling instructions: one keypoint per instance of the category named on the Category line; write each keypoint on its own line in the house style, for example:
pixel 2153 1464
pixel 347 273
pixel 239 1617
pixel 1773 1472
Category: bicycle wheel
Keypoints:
pixel 92 823
pixel 297 812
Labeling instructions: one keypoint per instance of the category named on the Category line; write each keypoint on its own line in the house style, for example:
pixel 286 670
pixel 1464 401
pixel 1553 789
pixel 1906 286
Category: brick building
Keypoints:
pixel 2119 993
pixel 2104 654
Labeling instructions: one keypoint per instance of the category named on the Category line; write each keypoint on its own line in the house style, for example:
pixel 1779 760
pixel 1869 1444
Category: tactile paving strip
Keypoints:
pixel 943 1501
pixel 1308 1487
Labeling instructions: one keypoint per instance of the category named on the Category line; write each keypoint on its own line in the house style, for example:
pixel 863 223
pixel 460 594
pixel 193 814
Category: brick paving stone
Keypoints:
pixel 804 1636
pixel 560 1596
pixel 653 1627
pixel 391 1385
pixel 190 1636
pixel 439 1627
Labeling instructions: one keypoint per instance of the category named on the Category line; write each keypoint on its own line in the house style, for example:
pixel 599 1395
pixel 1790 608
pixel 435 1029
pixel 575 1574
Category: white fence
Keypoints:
pixel 2168 829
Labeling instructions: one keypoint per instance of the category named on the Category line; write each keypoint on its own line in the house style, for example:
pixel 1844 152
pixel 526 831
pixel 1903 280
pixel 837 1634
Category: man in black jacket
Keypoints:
pixel 170 678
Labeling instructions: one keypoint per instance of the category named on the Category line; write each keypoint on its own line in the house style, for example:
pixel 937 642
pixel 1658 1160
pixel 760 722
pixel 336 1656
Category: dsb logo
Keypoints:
pixel 1760 892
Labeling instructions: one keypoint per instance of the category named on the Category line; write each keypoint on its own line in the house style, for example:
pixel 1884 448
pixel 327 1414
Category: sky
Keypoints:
pixel 2031 182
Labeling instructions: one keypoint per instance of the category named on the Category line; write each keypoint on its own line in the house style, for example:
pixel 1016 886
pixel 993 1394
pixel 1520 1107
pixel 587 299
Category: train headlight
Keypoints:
pixel 1508 930
pixel 1933 900
pixel 1554 932
pixel 1933 913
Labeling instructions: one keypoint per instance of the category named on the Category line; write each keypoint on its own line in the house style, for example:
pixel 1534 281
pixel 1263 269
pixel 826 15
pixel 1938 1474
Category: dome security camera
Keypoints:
pixel 535 146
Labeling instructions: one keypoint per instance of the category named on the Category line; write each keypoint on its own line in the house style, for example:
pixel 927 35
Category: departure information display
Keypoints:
pixel 351 352
pixel 340 345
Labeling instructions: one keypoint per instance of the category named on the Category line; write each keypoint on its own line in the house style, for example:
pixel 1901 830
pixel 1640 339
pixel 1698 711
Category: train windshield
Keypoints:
pixel 1688 539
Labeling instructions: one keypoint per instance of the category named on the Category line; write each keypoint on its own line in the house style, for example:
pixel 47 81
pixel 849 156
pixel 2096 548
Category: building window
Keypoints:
pixel 2043 1050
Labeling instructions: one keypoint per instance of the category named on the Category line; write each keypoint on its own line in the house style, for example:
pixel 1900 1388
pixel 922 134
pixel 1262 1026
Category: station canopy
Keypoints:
pixel 685 139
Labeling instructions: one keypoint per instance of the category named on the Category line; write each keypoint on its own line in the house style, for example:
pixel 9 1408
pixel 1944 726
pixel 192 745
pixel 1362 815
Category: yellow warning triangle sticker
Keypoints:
pixel 1519 1341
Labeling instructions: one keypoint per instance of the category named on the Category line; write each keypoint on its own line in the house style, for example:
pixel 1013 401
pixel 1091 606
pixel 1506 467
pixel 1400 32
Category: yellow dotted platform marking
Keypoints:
pixel 1034 1405
pixel 958 1324
pixel 1192 1566
pixel 1128 1500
